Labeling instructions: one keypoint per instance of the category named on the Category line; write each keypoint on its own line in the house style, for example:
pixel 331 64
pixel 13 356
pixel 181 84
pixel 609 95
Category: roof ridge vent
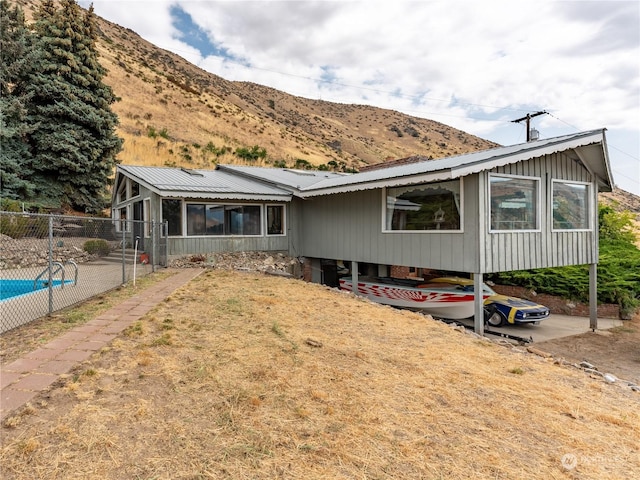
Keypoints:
pixel 191 172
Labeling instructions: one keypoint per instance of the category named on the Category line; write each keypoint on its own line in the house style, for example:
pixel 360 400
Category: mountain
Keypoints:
pixel 173 113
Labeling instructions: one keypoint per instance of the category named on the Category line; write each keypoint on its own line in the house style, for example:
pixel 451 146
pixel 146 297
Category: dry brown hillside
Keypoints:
pixel 172 112
pixel 622 200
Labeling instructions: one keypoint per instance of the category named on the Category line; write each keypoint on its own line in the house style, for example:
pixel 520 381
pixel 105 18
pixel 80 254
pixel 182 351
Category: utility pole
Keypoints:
pixel 528 118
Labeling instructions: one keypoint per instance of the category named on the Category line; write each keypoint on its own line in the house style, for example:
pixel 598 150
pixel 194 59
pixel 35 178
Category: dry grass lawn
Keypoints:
pixel 245 376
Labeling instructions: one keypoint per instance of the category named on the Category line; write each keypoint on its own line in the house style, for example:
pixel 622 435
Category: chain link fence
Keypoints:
pixel 50 262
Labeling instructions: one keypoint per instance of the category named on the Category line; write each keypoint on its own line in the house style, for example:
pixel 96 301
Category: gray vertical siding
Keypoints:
pixel 178 246
pixel 526 250
pixel 348 226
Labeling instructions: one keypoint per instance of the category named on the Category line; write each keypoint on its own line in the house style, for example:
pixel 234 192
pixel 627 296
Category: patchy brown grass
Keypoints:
pixel 19 341
pixel 240 375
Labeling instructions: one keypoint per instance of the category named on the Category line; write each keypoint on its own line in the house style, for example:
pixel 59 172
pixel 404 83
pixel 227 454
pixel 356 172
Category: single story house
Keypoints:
pixel 531 205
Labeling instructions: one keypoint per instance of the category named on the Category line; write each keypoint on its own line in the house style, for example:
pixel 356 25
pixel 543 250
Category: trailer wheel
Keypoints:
pixel 494 318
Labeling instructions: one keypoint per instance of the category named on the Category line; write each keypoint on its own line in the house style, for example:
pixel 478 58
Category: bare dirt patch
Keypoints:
pixel 243 375
pixel 615 351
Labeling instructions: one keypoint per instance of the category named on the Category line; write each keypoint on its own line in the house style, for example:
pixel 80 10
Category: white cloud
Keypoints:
pixel 473 65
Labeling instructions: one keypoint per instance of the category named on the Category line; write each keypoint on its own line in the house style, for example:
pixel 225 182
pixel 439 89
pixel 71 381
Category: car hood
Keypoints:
pixel 515 302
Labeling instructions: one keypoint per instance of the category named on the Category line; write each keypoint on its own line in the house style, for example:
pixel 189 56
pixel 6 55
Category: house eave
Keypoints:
pixel 393 182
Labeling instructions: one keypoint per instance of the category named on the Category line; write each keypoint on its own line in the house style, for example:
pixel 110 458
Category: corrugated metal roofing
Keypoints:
pixel 200 183
pixel 461 165
pixel 285 177
pixel 261 183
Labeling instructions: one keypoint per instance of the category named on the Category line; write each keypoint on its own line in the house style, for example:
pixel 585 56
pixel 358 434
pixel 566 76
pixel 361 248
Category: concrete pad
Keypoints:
pixel 556 326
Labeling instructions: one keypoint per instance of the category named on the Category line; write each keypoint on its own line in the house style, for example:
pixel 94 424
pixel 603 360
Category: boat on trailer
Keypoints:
pixel 443 300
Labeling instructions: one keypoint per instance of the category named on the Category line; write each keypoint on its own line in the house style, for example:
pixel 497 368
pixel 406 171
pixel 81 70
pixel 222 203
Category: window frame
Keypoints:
pixel 537 206
pixel 146 212
pixel 232 206
pixel 122 193
pixel 135 188
pixel 227 207
pixel 266 219
pixel 183 227
pixel 123 223
pixel 588 208
pixel 460 181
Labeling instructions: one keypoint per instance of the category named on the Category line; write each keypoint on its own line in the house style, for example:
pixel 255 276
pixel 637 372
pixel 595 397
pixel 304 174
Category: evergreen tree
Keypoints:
pixel 74 146
pixel 14 56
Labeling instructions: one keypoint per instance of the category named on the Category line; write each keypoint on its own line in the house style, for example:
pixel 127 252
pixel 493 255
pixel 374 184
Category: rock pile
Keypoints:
pixel 34 252
pixel 266 262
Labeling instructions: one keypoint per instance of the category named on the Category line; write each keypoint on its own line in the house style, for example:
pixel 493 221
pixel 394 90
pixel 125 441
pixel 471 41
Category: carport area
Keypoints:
pixel 556 326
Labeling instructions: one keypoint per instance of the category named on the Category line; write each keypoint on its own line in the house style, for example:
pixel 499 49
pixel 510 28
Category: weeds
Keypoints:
pixel 275 328
pixel 163 340
pixel 135 329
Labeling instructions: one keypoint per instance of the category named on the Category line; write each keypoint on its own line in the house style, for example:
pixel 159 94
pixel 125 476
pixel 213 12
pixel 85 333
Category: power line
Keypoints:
pixel 528 118
pixel 358 87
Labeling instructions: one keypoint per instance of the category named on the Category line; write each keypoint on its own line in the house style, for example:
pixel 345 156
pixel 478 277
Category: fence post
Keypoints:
pixel 153 246
pixel 165 234
pixel 124 244
pixel 50 264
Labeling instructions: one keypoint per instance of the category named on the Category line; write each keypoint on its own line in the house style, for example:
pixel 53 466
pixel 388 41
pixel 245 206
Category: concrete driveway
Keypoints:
pixel 555 326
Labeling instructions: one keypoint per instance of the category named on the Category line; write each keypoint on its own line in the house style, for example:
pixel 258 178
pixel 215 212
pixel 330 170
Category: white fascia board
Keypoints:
pixel 115 187
pixel 488 162
pixel 145 184
pixel 528 154
pixel 391 182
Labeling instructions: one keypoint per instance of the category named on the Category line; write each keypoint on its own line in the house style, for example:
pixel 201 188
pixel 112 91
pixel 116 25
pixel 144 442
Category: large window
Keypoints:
pixel 432 206
pixel 570 206
pixel 206 219
pixel 172 213
pixel 196 222
pixel 275 219
pixel 514 203
pixel 242 220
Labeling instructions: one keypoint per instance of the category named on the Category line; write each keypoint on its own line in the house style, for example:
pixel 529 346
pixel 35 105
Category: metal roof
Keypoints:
pixel 288 178
pixel 180 182
pixel 590 147
pixel 263 183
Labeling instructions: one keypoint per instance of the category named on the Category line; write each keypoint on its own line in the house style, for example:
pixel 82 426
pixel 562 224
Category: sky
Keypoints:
pixel 473 65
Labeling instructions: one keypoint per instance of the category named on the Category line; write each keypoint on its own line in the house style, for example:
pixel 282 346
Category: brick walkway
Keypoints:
pixel 23 379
